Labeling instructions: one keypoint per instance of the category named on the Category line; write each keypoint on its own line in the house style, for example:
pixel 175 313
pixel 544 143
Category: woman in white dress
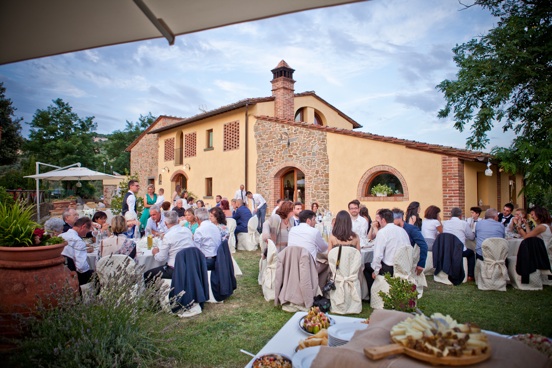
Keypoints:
pixel 542 218
pixel 431 225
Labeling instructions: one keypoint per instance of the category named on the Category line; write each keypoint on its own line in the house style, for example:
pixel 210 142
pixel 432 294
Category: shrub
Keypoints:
pixel 16 224
pixel 402 294
pixel 118 327
pixel 5 197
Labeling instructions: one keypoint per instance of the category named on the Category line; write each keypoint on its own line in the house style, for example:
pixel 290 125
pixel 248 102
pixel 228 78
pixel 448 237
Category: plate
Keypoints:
pixel 332 322
pixel 345 331
pixel 304 358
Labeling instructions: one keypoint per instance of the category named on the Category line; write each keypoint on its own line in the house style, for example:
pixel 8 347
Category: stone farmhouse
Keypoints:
pixel 300 147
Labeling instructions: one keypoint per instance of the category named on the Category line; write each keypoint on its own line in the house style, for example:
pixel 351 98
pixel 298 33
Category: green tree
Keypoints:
pixel 119 140
pixel 60 137
pixel 10 130
pixel 505 77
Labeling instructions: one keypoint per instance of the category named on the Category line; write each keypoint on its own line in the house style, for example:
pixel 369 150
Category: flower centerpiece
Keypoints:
pixel 381 190
pixel 402 294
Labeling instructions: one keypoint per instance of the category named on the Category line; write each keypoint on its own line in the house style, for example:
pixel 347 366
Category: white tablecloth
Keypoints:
pixel 367 254
pixel 286 340
pixel 144 257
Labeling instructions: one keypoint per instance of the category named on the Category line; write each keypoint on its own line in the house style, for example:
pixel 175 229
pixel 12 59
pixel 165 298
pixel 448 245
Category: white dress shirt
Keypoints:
pixel 459 228
pixel 275 209
pixel 131 202
pixel 207 238
pixel 258 201
pixel 360 227
pixel 307 237
pixel 389 239
pixel 157 226
pixel 160 199
pixel 472 222
pixel 76 250
pixel 175 239
pixel 240 194
pixel 429 228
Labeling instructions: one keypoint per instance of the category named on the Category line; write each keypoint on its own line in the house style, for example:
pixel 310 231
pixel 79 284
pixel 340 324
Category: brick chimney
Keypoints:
pixel 283 91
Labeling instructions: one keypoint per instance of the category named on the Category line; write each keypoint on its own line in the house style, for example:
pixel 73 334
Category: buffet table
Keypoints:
pixel 286 340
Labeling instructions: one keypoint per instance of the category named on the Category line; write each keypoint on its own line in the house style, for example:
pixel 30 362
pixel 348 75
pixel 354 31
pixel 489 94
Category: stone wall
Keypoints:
pixel 145 154
pixel 307 152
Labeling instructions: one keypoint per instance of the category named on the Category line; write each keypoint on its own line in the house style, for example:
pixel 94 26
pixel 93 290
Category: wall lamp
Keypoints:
pixel 488 171
pixel 188 166
pixel 165 169
pixel 286 135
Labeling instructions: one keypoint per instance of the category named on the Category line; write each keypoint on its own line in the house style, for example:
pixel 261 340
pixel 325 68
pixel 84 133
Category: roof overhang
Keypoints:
pixel 37 28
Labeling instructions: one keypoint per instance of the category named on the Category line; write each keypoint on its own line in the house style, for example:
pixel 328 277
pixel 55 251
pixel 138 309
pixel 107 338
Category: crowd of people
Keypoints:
pixel 184 223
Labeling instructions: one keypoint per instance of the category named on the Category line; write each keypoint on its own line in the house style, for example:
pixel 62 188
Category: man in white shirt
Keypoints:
pixel 76 251
pixel 461 229
pixel 175 239
pixel 306 236
pixel 360 225
pixel 129 200
pixel 207 237
pixel 241 194
pixel 390 238
pixel 156 222
pixel 259 208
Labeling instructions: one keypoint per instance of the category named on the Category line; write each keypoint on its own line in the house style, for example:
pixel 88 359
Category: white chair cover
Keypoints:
pixel 546 280
pixel 492 274
pixel 249 241
pixel 419 280
pixel 535 280
pixel 346 298
pixel 402 267
pixel 269 273
pixel 231 227
pixel 429 269
pixel 114 266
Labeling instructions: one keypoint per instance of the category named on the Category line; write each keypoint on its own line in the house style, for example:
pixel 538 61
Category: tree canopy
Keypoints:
pixel 505 77
pixel 58 136
pixel 10 130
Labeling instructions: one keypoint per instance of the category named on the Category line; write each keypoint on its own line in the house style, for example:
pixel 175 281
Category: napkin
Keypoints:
pixel 505 352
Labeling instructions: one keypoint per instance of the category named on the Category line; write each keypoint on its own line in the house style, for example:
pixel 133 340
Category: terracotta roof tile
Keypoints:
pixel 147 130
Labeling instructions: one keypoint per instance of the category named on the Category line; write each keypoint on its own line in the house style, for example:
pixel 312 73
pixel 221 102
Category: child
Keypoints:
pixel 160 197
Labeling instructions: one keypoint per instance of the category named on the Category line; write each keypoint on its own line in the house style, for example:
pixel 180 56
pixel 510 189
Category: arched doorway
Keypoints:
pixel 179 178
pixel 292 185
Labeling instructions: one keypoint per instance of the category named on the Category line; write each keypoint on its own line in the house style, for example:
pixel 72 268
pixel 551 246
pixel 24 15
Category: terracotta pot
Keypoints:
pixel 30 274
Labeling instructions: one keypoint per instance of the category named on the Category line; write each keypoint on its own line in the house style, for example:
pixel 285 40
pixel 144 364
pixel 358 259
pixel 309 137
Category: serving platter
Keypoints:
pixel 302 320
pixel 380 352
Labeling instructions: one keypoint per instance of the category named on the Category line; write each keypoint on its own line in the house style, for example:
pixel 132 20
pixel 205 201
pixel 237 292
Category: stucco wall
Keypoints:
pixel 350 157
pixel 330 116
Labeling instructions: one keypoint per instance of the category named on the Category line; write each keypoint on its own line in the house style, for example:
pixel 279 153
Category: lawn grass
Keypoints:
pixel 246 321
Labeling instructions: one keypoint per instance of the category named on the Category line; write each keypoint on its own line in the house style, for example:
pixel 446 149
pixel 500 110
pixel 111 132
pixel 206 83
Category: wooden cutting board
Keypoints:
pixel 380 352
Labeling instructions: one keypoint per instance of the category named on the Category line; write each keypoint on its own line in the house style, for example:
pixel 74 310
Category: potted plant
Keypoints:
pixel 381 190
pixel 31 265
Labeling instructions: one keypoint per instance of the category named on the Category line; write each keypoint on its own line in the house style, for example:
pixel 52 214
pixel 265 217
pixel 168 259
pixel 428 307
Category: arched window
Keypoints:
pixel 307 114
pixel 382 183
pixel 384 180
pixel 318 119
pixel 299 115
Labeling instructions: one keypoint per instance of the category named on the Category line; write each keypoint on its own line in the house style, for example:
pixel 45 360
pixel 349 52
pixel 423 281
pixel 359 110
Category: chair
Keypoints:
pixel 269 271
pixel 231 226
pixel 448 259
pixel 249 241
pixel 492 274
pixel 525 269
pixel 346 298
pixel 296 280
pixel 114 266
pixel 547 278
pixel 402 267
pixel 419 280
pixel 190 283
pixel 429 269
pixel 222 278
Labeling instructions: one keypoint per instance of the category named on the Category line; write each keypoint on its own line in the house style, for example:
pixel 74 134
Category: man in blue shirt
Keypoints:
pixel 490 227
pixel 241 214
pixel 415 236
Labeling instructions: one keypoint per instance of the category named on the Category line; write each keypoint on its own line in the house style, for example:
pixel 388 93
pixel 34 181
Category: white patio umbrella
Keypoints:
pixel 65 174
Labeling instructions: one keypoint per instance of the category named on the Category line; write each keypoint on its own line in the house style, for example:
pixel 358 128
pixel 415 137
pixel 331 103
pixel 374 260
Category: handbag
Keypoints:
pixel 322 303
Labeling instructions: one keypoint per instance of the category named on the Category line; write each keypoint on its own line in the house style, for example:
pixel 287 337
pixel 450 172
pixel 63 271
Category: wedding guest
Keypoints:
pixel 225 207
pixel 191 221
pixel 366 215
pixel 217 217
pixel 149 200
pixel 431 225
pixel 413 215
pixel 176 193
pixel 277 226
pixel 542 230
pixel 200 203
pixel 118 242
pixel 161 197
pixel 342 232
pixel 76 251
pixel 475 212
pixel 506 215
pixel 54 226
pixel 490 227
pixel 207 238
pixel 520 220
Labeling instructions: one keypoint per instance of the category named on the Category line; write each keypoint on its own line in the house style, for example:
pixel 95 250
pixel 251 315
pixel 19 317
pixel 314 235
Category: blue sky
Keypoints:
pixel 378 61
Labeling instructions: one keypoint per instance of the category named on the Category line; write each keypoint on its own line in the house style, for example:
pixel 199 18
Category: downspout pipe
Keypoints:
pixel 246 145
